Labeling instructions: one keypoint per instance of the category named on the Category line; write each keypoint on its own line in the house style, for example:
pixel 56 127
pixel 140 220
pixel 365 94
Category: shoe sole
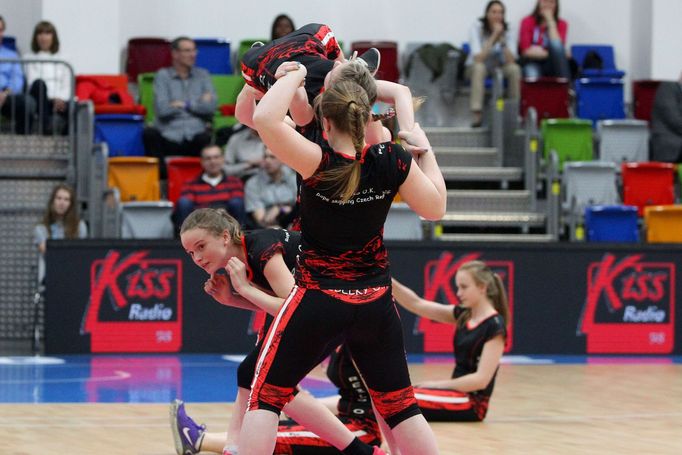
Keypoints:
pixel 174 426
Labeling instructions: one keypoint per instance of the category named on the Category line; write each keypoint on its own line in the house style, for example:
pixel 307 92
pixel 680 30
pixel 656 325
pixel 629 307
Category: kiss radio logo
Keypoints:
pixel 630 306
pixel 135 304
pixel 440 286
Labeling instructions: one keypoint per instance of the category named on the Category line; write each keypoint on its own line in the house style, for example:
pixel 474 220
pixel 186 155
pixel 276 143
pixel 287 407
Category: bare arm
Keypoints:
pixel 218 287
pixel 424 189
pixel 409 300
pixel 487 365
pixel 269 119
pixel 399 96
pixel 301 111
pixel 264 301
pixel 246 105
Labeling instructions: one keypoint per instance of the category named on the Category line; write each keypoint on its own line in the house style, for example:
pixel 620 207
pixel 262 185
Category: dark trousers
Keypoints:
pixel 20 109
pixel 50 121
pixel 159 147
pixel 555 65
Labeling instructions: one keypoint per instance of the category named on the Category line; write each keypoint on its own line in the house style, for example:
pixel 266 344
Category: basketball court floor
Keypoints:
pixel 547 405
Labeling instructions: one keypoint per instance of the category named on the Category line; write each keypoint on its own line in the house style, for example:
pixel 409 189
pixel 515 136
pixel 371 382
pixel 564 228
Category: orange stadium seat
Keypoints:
pixel 663 223
pixel 136 177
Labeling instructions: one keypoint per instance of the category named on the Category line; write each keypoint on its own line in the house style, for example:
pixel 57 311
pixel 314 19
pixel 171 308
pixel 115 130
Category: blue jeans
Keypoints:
pixel 555 65
pixel 185 206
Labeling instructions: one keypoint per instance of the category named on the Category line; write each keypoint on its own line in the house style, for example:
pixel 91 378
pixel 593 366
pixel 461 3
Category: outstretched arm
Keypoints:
pixel 246 105
pixel 409 300
pixel 269 119
pixel 399 96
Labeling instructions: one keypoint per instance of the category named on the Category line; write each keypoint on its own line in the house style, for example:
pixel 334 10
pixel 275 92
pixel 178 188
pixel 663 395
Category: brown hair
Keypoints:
pixel 347 106
pixel 484 19
pixel 45 27
pixel 215 221
pixel 539 19
pixel 70 220
pixel 484 276
pixel 358 73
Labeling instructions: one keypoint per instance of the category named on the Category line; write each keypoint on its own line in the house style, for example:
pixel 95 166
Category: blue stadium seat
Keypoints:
pixel 611 223
pixel 579 51
pixel 121 132
pixel 214 55
pixel 599 98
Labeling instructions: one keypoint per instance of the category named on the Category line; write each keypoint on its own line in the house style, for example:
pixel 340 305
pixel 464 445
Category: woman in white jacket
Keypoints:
pixel 49 80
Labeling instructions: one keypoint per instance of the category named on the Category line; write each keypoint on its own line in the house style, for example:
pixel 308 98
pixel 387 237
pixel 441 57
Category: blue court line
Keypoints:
pixel 191 377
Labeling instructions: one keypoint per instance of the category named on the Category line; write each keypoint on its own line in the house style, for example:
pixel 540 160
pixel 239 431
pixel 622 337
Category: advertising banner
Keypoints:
pixel 147 296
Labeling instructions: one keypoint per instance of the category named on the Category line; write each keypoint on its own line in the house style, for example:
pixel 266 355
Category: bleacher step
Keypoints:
pixel 488 201
pixel 500 219
pixel 482 174
pixel 466 156
pixel 531 238
pixel 458 136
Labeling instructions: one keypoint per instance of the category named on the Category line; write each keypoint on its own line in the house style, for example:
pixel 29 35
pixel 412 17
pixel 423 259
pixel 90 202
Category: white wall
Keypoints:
pixel 94 32
pixel 666 59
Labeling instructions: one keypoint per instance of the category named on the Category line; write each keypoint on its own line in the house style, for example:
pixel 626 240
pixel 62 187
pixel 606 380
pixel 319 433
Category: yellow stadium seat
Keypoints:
pixel 136 177
pixel 663 223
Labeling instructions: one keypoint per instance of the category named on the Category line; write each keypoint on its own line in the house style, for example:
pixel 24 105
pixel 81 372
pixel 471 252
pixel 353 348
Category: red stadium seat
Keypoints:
pixel 646 184
pixel 388 67
pixel 88 86
pixel 181 169
pixel 548 95
pixel 147 55
pixel 643 94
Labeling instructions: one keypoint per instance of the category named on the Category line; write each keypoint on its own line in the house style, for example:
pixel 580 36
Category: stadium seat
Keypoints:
pixel 402 223
pixel 647 184
pixel 86 84
pixel 608 61
pixel 643 94
pixel 136 177
pixel 214 55
pixel 388 67
pixel 548 95
pixel 589 183
pixel 146 220
pixel 227 87
pixel 121 132
pixel 599 98
pixel 145 86
pixel 570 138
pixel 181 169
pixel 623 140
pixel 244 46
pixel 611 223
pixel 663 223
pixel 147 55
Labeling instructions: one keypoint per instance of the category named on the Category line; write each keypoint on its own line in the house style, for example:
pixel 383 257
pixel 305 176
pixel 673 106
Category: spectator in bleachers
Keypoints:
pixel 271 194
pixel 244 153
pixel 492 46
pixel 185 102
pixel 282 25
pixel 14 103
pixel 212 188
pixel 50 83
pixel 666 123
pixel 542 42
pixel 60 221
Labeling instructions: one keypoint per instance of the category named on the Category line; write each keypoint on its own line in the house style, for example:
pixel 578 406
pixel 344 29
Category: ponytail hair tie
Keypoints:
pixel 358 156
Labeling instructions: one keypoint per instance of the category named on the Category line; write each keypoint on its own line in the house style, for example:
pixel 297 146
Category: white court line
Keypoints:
pixel 118 376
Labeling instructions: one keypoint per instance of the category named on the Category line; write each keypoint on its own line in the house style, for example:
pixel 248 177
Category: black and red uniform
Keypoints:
pixel 354 410
pixel 259 247
pixel 342 289
pixel 313 45
pixel 452 405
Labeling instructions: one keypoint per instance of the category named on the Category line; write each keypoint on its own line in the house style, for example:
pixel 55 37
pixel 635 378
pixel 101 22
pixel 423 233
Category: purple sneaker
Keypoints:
pixel 187 435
